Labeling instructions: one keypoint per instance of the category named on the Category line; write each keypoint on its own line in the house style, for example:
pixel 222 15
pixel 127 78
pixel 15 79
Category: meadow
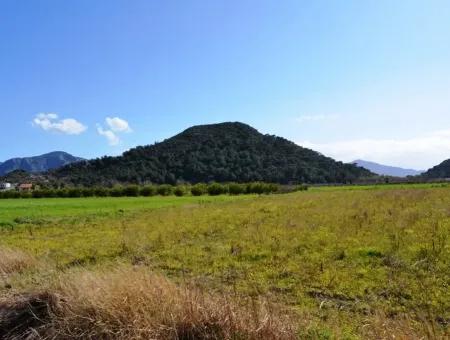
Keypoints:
pixel 328 263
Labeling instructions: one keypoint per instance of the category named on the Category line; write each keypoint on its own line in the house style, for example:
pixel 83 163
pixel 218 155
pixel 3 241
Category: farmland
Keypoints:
pixel 338 263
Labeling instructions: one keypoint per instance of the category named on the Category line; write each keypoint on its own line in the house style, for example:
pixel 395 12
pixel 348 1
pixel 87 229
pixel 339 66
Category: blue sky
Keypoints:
pixel 352 79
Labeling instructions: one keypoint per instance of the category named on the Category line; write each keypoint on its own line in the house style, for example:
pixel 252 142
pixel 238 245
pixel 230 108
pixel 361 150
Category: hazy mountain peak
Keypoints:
pixel 39 163
pixel 386 170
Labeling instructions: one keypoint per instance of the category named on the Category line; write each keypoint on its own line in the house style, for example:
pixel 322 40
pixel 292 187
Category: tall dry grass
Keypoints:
pixel 15 261
pixel 133 303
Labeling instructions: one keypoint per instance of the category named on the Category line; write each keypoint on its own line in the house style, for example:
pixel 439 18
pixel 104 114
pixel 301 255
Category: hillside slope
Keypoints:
pixel 386 170
pixel 217 152
pixel 439 171
pixel 40 163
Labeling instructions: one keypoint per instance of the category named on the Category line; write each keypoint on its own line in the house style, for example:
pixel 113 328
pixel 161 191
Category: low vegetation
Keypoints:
pixel 319 264
pixel 212 189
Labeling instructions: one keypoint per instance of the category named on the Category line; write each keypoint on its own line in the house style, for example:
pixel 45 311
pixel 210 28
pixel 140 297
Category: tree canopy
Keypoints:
pixel 225 152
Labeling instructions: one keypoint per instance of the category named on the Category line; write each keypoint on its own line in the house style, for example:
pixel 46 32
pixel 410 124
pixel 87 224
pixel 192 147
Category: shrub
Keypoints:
pixel 301 187
pixel 61 193
pixel 215 189
pixel 74 192
pixel 116 192
pixel 131 191
pixel 11 194
pixel 179 191
pixel 148 190
pixel 199 189
pixel 236 189
pixel 255 188
pixel 101 192
pixel 270 188
pixel 87 192
pixel 164 190
pixel 25 194
pixel 37 194
pixel 261 188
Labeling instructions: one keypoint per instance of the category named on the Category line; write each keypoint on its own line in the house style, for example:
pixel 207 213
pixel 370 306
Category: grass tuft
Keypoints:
pixel 14 261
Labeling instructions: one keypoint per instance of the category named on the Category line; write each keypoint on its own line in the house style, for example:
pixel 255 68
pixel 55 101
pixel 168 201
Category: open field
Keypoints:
pixel 44 208
pixel 327 263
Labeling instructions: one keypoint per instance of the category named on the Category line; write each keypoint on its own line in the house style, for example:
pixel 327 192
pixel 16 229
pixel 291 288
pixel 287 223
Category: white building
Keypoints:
pixel 5 186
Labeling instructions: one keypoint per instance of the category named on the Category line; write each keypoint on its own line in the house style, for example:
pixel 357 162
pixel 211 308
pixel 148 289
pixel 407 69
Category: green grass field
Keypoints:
pixel 11 209
pixel 348 263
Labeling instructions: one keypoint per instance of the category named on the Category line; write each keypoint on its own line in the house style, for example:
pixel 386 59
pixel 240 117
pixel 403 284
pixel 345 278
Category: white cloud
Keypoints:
pixel 117 124
pixel 421 152
pixel 112 138
pixel 50 122
pixel 315 118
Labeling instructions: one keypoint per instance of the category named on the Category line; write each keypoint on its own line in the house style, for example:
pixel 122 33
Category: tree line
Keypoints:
pixel 199 189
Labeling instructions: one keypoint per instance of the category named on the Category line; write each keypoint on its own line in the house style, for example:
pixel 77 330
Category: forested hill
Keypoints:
pixel 217 152
pixel 439 171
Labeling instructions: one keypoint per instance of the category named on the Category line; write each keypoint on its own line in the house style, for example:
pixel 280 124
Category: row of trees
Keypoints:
pixel 212 189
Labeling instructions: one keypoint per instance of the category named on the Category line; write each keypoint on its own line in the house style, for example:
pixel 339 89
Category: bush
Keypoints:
pixel 215 189
pixel 116 192
pixel 164 190
pixel 38 194
pixel 199 189
pixel 87 192
pixel 148 191
pixel 301 187
pixel 11 194
pixel 101 192
pixel 74 192
pixel 270 188
pixel 254 188
pixel 236 189
pixel 261 188
pixel 131 191
pixel 179 191
pixel 61 193
pixel 25 194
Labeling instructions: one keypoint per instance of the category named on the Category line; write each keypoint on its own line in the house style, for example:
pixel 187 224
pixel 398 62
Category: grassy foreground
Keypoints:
pixel 324 264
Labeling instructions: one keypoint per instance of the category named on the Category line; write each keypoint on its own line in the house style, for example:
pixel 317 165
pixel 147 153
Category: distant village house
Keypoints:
pixel 25 187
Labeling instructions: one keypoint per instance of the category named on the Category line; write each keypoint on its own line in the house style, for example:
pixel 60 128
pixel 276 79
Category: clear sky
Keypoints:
pixel 352 79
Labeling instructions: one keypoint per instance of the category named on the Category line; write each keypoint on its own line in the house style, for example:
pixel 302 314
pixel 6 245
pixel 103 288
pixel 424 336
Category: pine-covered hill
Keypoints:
pixel 439 171
pixel 217 152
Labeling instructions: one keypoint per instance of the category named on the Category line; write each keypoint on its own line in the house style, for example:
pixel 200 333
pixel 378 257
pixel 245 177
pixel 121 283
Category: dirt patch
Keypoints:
pixel 21 316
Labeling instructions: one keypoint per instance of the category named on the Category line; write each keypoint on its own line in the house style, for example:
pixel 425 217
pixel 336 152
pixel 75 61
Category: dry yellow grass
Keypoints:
pixel 133 303
pixel 14 261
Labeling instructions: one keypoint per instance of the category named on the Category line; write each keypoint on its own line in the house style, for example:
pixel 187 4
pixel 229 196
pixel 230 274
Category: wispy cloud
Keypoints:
pixel 50 122
pixel 116 126
pixel 112 138
pixel 421 152
pixel 315 118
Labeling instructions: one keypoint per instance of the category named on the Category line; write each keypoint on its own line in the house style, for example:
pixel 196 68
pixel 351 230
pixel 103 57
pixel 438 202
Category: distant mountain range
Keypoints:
pixel 222 152
pixel 217 152
pixel 40 163
pixel 386 170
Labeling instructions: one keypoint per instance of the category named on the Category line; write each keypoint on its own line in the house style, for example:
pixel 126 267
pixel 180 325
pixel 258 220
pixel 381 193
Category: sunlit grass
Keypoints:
pixel 348 261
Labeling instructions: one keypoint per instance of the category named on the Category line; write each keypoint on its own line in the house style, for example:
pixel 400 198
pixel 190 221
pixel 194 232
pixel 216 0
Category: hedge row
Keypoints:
pixel 212 189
